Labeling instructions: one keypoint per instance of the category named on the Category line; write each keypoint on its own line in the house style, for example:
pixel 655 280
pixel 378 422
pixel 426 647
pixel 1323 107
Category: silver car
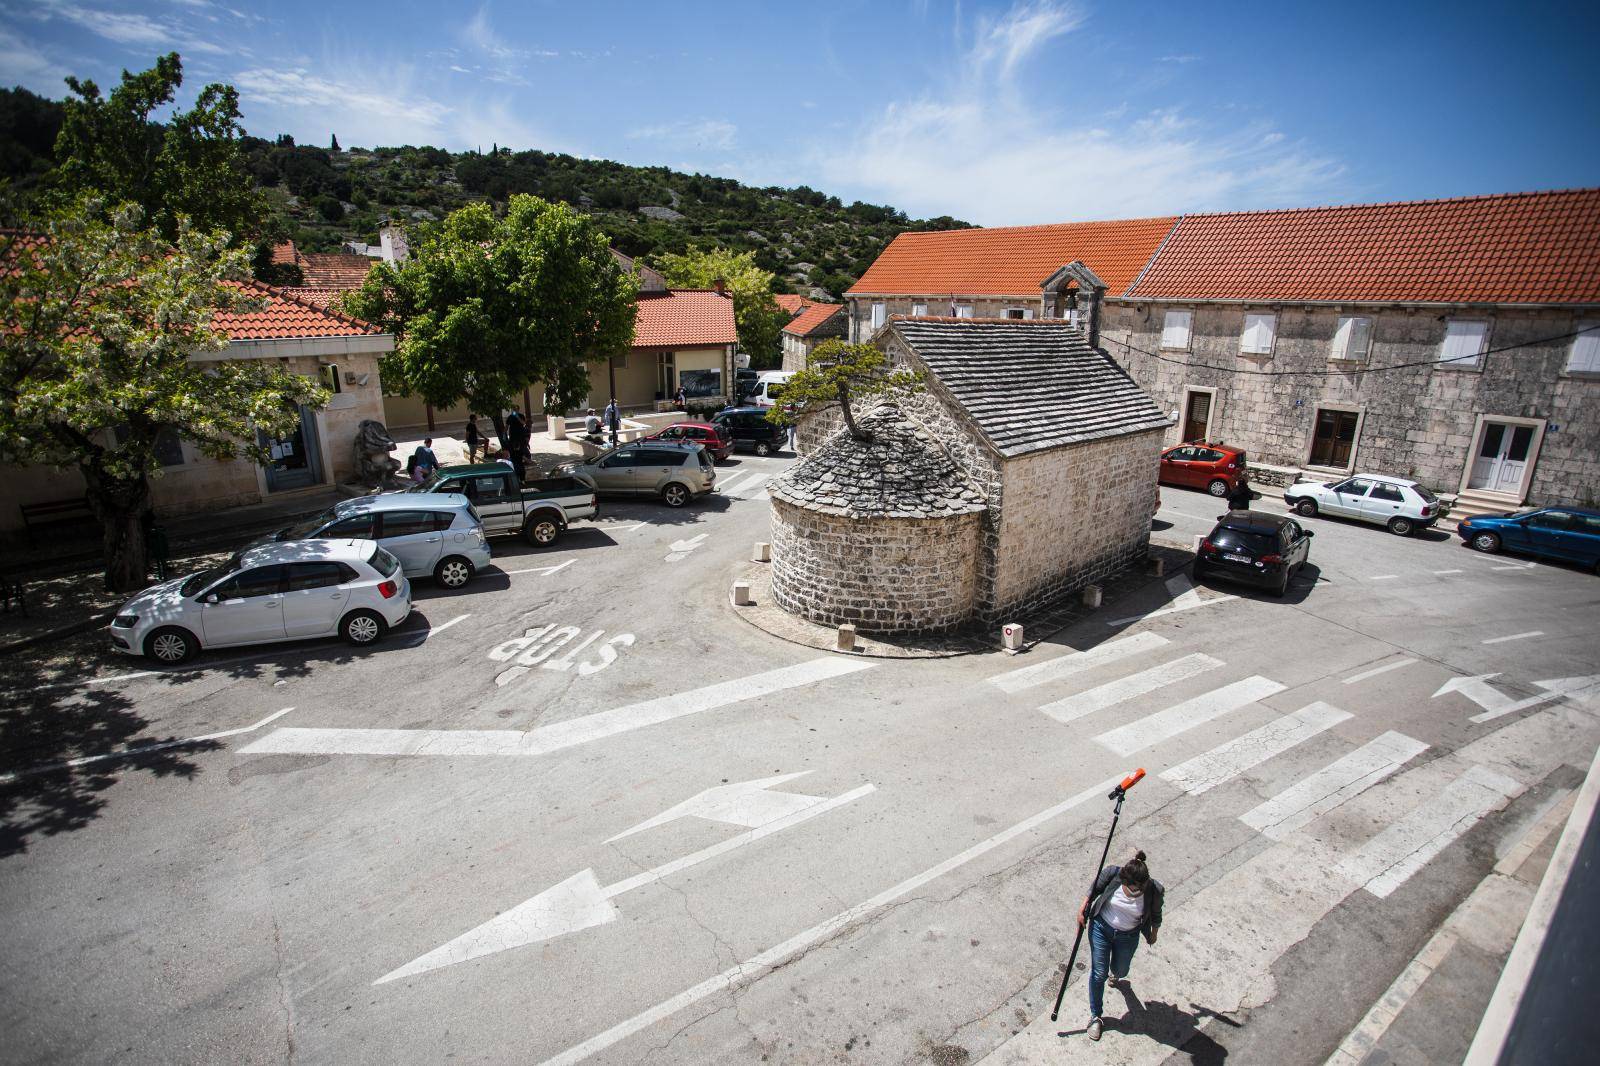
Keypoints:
pixel 676 472
pixel 277 592
pixel 432 533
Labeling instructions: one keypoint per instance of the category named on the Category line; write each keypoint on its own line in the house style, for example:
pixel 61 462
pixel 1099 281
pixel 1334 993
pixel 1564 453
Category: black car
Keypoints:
pixel 748 427
pixel 746 382
pixel 1255 548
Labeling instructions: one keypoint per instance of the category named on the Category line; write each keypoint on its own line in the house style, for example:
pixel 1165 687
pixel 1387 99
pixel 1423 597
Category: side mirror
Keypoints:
pixel 1307 533
pixel 210 597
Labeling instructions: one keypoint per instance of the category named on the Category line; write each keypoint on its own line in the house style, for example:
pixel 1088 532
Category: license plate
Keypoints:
pixel 1232 558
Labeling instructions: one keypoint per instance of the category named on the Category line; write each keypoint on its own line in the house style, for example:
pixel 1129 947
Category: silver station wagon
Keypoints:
pixel 435 534
pixel 676 472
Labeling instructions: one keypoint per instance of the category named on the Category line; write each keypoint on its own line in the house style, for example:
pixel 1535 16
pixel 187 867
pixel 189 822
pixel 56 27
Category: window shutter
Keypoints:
pixel 877 316
pixel 1463 343
pixel 1258 334
pixel 1341 338
pixel 1175 329
pixel 1360 339
pixel 918 310
pixel 1586 350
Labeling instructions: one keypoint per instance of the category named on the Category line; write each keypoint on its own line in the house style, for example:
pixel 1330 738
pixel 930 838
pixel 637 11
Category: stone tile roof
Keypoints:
pixel 813 318
pixel 1517 248
pixel 1029 385
pixel 319 297
pixel 684 318
pixel 286 316
pixel 901 473
pixel 1012 260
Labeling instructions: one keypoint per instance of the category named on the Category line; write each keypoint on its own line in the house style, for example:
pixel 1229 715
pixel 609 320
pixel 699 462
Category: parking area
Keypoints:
pixel 579 811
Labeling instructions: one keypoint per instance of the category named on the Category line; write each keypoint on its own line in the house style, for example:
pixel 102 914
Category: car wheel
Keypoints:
pixel 1485 542
pixel 1401 526
pixel 1218 488
pixel 763 448
pixel 453 572
pixel 542 532
pixel 675 495
pixel 170 645
pixel 1305 506
pixel 362 628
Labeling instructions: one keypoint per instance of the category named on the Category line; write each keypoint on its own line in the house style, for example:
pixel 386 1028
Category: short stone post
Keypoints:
pixel 741 593
pixel 847 637
pixel 1158 565
pixel 557 425
pixel 762 553
pixel 1011 636
pixel 1092 595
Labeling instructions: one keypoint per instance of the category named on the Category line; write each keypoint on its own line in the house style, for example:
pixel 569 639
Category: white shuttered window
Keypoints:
pixel 1353 339
pixel 963 310
pixel 918 310
pixel 1259 331
pixel 1175 329
pixel 877 316
pixel 1463 342
pixel 1585 358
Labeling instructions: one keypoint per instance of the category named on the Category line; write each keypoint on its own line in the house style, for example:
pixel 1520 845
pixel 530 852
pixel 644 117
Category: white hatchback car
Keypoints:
pixel 1399 505
pixel 289 591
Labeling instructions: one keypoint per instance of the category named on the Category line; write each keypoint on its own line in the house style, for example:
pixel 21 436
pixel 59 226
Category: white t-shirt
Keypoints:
pixel 1122 911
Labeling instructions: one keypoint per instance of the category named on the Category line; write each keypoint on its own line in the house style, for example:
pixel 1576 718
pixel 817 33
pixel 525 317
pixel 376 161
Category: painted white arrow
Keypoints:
pixel 620 529
pixel 746 803
pixel 1497 704
pixel 581 901
pixel 680 548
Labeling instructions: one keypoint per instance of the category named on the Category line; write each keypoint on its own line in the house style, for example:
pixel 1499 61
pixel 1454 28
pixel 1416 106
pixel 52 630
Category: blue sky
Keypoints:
pixel 999 113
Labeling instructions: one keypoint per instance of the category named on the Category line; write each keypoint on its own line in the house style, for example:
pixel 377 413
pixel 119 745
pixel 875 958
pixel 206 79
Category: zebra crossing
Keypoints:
pixel 745 485
pixel 1366 820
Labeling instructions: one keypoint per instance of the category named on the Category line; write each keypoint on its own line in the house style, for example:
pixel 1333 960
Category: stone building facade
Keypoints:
pixel 879 533
pixel 815 323
pixel 1058 441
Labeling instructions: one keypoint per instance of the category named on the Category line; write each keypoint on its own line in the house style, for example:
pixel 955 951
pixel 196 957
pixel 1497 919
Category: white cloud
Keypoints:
pixel 980 149
pixel 689 133
pixel 362 112
pixel 133 30
pixel 22 63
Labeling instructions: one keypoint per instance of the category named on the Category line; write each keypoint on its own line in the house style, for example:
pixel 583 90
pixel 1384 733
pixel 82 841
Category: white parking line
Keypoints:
pixel 142 750
pixel 1082 704
pixel 541 569
pixel 1076 662
pixel 436 630
pixel 1514 636
pixel 1376 670
pixel 1383 577
pixel 1443 572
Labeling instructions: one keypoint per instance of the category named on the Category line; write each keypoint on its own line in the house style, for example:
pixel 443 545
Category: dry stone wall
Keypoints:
pixel 882 574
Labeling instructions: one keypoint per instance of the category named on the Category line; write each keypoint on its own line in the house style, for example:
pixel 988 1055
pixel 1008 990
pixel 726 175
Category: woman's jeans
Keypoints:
pixel 1109 949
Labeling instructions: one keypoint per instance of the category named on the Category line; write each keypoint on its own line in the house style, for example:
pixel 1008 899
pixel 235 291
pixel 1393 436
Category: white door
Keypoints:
pixel 249 608
pixel 314 601
pixel 1502 459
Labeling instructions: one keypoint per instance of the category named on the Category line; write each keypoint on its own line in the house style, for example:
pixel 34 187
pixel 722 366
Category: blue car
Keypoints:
pixel 1571 534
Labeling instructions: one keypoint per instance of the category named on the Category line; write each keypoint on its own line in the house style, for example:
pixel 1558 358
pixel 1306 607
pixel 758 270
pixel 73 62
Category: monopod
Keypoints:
pixel 1117 795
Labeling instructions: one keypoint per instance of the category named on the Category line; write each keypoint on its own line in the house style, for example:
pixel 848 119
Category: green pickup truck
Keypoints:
pixel 540 510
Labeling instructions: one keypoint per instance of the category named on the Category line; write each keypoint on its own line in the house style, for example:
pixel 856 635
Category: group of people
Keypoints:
pixel 610 421
pixel 424 463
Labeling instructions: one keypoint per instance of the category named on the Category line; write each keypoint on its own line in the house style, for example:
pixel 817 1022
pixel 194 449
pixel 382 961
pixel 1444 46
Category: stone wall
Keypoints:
pixel 1071 517
pixel 1415 421
pixel 860 308
pixel 882 574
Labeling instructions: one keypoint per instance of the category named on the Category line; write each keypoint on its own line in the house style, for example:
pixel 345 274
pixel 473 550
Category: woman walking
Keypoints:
pixel 1124 904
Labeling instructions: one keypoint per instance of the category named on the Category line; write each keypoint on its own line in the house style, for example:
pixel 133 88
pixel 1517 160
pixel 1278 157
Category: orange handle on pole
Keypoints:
pixel 1132 779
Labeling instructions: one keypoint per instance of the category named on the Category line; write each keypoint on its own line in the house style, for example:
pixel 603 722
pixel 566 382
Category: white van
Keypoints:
pixel 769 387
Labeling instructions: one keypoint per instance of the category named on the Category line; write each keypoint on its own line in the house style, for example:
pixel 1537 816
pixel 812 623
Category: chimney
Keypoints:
pixel 720 285
pixel 393 241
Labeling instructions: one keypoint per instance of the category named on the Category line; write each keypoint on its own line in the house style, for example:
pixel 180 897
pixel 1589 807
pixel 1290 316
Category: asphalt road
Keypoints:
pixel 582 812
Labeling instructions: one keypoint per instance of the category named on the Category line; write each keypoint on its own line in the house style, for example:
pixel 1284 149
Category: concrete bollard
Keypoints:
pixel 847 637
pixel 1158 565
pixel 1092 595
pixel 556 426
pixel 1011 636
pixel 763 552
pixel 741 593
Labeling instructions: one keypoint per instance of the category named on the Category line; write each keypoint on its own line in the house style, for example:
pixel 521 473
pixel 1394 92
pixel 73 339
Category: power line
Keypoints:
pixel 1351 370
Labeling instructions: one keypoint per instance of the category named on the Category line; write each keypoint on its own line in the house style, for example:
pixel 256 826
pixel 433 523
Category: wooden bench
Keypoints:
pixel 54 513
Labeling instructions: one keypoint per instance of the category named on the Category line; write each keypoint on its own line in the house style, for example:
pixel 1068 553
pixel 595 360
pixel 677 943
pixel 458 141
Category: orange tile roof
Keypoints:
pixel 1515 248
pixel 288 315
pixel 790 302
pixel 319 297
pixel 683 318
pixel 812 318
pixel 334 270
pixel 1013 260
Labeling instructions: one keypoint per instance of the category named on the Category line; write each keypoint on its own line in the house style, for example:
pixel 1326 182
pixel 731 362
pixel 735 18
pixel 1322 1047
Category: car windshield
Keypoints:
pixel 1524 514
pixel 774 390
pixel 307 527
pixel 205 578
pixel 430 485
pixel 1245 541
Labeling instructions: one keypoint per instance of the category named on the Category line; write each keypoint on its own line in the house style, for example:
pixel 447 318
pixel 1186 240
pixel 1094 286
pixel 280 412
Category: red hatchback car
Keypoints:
pixel 1216 468
pixel 704 434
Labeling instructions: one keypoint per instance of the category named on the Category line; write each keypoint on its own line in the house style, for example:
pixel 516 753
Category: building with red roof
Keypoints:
pixel 813 324
pixel 341 352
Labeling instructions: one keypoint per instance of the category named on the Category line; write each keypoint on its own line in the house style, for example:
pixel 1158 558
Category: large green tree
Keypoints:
pixel 101 319
pixel 487 306
pixel 757 314
pixel 185 165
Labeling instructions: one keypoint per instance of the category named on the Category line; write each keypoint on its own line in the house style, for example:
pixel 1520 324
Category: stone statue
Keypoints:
pixel 374 465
